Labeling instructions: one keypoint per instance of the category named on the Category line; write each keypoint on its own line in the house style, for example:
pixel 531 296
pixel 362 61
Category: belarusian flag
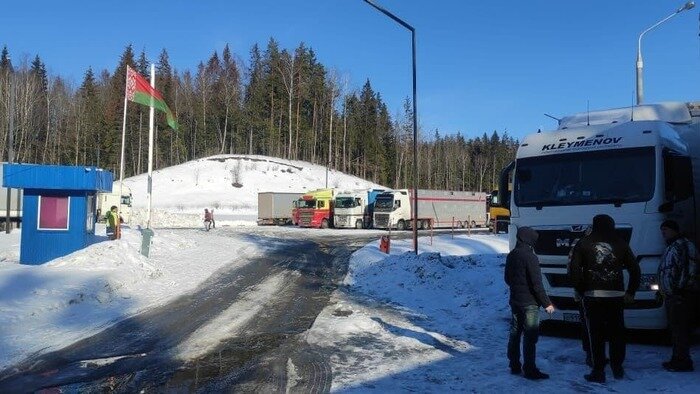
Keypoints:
pixel 140 91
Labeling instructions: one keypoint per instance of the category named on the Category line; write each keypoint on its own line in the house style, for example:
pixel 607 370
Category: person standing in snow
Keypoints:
pixel 596 269
pixel 678 275
pixel 527 295
pixel 112 223
pixel 207 219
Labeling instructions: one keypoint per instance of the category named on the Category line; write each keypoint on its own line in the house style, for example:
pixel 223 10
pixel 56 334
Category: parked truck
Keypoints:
pixel 640 165
pixel 105 201
pixel 355 209
pixel 15 204
pixel 436 208
pixel 316 208
pixel 276 208
pixel 498 214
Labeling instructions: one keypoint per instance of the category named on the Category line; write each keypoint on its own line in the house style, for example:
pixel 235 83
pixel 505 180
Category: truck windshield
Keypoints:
pixel 307 203
pixel 384 203
pixel 345 202
pixel 600 177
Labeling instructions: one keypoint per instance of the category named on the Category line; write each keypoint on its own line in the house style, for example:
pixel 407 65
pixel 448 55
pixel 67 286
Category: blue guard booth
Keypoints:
pixel 58 207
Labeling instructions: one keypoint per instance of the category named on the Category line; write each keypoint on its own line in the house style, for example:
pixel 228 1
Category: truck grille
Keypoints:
pixel 381 220
pixel 559 242
pixel 341 220
pixel 305 219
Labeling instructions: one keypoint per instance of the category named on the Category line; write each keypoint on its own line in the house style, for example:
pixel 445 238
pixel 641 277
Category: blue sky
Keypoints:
pixel 482 66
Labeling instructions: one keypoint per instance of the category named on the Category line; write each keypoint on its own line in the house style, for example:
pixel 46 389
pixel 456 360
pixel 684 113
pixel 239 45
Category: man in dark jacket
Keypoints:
pixel 522 274
pixel 677 282
pixel 596 269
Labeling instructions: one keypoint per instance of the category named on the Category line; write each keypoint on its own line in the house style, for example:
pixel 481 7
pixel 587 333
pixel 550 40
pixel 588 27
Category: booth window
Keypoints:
pixel 53 213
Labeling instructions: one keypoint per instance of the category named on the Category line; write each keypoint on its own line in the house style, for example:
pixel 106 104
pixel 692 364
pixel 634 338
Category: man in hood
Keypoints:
pixel 678 282
pixel 523 276
pixel 596 266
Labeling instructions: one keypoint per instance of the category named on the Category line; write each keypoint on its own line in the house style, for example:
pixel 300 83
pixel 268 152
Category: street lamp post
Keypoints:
pixel 415 119
pixel 640 63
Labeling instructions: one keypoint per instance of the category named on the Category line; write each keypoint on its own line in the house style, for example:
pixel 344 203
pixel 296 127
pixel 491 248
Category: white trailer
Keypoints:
pixel 276 208
pixel 640 165
pixel 105 201
pixel 436 208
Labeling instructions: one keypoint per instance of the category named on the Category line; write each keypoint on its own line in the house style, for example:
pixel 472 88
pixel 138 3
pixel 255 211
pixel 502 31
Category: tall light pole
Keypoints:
pixel 415 119
pixel 640 64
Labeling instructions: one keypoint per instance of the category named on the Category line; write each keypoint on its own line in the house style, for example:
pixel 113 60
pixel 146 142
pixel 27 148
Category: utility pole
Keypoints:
pixel 10 146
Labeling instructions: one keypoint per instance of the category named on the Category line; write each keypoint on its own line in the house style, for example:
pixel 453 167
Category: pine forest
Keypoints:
pixel 270 101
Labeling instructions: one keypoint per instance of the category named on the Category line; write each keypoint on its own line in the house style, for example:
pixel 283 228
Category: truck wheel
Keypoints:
pixel 401 225
pixel 324 223
pixel 473 224
pixel 358 223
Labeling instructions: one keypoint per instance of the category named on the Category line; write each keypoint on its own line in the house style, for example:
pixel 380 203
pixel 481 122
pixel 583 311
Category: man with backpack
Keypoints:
pixel 596 272
pixel 678 283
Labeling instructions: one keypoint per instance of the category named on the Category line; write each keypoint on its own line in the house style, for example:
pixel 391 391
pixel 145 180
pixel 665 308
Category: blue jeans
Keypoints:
pixel 525 322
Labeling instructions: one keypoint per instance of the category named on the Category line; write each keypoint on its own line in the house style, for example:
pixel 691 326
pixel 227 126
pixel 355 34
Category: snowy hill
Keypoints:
pixel 230 185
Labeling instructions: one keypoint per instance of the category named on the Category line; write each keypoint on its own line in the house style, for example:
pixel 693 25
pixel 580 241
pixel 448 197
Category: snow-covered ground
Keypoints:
pixel 229 184
pixel 439 323
pixel 45 307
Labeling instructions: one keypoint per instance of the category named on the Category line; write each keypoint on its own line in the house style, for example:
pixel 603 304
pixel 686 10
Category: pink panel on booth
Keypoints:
pixel 53 213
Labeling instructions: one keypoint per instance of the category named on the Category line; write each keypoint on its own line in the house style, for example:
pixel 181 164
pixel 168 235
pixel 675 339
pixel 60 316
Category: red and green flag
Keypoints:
pixel 140 91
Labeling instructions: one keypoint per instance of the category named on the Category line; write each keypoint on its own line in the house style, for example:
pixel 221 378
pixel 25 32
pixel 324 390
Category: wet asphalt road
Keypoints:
pixel 257 359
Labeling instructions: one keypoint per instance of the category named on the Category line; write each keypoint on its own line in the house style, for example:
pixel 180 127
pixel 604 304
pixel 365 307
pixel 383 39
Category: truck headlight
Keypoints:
pixel 649 282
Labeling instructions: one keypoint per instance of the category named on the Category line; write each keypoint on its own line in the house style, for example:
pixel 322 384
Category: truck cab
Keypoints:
pixel 498 214
pixel 392 209
pixel 316 208
pixel 355 209
pixel 639 165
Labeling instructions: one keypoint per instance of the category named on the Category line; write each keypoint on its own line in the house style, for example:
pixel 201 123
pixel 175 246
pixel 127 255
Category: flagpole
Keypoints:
pixel 150 149
pixel 121 161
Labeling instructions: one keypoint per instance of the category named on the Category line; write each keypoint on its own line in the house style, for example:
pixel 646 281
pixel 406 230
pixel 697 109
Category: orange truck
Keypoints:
pixel 316 208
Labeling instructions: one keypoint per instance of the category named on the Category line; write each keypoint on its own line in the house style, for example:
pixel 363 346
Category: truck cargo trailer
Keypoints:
pixel 436 208
pixel 276 208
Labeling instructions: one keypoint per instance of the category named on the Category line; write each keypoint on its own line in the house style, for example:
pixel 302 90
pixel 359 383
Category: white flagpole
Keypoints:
pixel 121 161
pixel 150 149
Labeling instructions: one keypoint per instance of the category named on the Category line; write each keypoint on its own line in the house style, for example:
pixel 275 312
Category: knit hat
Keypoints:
pixel 671 224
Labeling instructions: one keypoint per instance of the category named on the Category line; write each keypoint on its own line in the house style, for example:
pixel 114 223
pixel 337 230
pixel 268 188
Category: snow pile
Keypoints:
pixel 45 307
pixel 229 184
pixel 439 322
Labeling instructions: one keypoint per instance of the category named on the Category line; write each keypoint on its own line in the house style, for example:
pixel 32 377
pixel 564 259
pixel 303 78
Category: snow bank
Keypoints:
pixel 45 307
pixel 438 322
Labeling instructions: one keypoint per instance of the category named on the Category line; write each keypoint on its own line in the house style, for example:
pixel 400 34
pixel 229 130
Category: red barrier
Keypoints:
pixel 385 244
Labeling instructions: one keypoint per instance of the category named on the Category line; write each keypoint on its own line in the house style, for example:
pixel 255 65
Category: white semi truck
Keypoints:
pixel 107 200
pixel 639 165
pixel 439 208
pixel 355 209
